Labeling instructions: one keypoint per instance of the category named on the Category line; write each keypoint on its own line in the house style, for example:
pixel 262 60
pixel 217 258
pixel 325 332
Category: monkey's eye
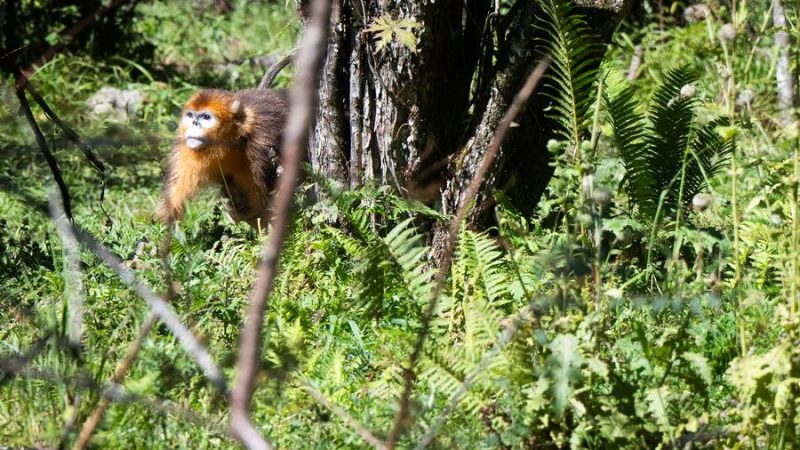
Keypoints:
pixel 205 116
pixel 190 115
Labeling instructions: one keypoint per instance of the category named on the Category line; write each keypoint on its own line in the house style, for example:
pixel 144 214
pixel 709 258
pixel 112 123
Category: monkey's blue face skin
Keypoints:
pixel 197 125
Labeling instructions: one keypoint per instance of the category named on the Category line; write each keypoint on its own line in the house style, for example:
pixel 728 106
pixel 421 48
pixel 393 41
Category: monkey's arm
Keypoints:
pixel 182 180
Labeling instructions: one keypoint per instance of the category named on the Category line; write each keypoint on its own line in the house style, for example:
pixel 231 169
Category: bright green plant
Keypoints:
pixel 668 156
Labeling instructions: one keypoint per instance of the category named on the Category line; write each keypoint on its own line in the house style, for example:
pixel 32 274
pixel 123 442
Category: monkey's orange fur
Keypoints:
pixel 238 151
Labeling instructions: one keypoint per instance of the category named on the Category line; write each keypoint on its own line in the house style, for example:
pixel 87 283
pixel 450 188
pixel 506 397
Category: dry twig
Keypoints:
pixel 402 417
pixel 45 149
pixel 351 422
pixel 303 104
pixel 73 285
pixel 159 307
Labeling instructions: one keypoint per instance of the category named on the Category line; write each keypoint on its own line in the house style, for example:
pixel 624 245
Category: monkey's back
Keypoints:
pixel 265 112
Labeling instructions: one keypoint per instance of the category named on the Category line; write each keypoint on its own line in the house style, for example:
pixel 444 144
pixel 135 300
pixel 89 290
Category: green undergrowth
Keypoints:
pixel 650 303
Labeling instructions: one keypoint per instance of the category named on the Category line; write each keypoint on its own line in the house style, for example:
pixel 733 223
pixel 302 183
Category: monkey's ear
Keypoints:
pixel 236 106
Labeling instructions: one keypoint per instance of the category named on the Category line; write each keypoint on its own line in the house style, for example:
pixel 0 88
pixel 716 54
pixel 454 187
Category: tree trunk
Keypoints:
pixel 420 120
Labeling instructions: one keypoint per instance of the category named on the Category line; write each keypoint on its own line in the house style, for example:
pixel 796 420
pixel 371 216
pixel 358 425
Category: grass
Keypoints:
pixel 634 356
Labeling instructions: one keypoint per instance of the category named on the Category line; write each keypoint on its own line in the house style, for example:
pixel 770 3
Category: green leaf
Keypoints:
pixel 385 30
pixel 666 149
pixel 564 363
pixel 700 364
pixel 657 403
pixel 576 57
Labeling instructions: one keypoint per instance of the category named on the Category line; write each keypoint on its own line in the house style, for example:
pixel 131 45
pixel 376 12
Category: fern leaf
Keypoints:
pixel 574 68
pixel 489 264
pixel 658 151
pixel 404 245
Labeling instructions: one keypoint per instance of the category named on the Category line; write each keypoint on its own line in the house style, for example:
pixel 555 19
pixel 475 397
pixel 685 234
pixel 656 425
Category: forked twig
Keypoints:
pixel 349 420
pixel 45 149
pixel 303 103
pixel 71 134
pixel 96 163
pixel 73 285
pixel 402 416
pixel 508 333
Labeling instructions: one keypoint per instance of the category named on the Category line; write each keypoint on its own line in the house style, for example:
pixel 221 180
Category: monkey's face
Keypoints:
pixel 210 119
pixel 198 127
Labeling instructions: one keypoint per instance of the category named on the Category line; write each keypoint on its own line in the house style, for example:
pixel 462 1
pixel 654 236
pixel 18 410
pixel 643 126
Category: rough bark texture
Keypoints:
pixel 329 139
pixel 420 121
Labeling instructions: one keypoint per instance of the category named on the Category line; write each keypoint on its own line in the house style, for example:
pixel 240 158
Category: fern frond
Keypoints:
pixel 655 150
pixel 666 141
pixel 405 246
pixel 710 154
pixel 574 68
pixel 481 327
pixel 488 264
pixel 444 372
pixel 627 124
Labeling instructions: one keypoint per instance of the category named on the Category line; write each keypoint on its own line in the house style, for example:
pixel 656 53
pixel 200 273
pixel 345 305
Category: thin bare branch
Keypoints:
pixel 12 366
pixel 73 286
pixel 402 417
pixel 45 149
pixel 75 139
pixel 521 318
pixel 303 104
pixel 68 131
pixel 119 375
pixel 275 69
pixel 124 366
pixel 159 306
pixel 348 420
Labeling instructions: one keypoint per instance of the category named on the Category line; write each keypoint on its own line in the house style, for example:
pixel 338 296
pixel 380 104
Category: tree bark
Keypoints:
pixel 783 70
pixel 420 120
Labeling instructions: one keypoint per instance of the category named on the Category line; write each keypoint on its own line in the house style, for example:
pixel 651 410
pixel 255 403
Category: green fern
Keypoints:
pixel 654 149
pixel 574 69
pixel 469 322
pixel 404 244
pixel 488 264
pixel 384 264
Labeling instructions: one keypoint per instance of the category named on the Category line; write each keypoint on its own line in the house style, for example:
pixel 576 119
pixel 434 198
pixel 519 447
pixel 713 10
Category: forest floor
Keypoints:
pixel 621 329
